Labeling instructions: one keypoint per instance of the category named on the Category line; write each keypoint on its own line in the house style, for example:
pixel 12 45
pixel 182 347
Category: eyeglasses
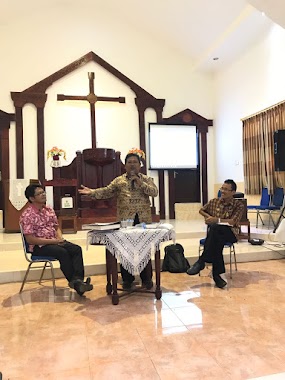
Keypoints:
pixel 40 193
pixel 224 189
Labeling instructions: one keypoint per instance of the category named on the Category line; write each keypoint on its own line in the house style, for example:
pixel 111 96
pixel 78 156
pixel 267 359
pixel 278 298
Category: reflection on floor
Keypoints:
pixel 196 331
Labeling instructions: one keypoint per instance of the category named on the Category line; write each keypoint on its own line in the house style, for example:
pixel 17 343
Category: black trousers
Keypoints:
pixel 145 275
pixel 69 256
pixel 217 236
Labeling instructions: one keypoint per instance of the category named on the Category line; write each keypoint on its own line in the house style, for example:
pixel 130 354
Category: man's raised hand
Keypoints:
pixel 84 190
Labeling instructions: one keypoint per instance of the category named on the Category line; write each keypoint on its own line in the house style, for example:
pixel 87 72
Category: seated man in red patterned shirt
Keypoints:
pixel 42 233
pixel 222 216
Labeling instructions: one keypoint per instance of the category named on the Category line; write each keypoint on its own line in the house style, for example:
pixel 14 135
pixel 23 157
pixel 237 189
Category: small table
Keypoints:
pixel 244 235
pixel 133 247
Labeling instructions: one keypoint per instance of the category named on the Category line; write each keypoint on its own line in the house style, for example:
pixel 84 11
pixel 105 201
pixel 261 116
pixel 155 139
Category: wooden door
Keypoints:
pixel 187 186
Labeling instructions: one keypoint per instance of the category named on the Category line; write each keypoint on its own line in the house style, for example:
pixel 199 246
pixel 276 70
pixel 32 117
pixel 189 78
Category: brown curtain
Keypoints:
pixel 258 150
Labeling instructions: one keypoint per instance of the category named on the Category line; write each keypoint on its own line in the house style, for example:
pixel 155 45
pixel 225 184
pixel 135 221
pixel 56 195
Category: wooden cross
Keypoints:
pixel 92 99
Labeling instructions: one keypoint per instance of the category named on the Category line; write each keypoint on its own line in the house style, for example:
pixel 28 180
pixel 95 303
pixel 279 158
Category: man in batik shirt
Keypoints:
pixel 40 227
pixel 132 191
pixel 222 215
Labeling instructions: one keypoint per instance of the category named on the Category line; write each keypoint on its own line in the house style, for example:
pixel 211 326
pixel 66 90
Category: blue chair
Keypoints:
pixel 230 246
pixel 276 205
pixel 42 261
pixel 264 204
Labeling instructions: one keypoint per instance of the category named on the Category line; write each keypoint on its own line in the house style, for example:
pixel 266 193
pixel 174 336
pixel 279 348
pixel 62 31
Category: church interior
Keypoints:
pixel 81 85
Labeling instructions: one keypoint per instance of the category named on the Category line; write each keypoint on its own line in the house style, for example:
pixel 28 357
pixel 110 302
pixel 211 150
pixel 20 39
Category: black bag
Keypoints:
pixel 174 260
pixel 256 241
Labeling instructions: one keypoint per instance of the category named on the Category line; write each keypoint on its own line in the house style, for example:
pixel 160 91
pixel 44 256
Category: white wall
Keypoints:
pixel 42 41
pixel 254 82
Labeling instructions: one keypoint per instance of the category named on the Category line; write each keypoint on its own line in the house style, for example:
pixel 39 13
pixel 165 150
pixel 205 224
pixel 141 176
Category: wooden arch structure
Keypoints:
pixel 36 95
pixel 186 117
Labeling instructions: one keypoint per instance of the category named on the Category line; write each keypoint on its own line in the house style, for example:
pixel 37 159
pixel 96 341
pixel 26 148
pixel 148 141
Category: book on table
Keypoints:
pixel 101 226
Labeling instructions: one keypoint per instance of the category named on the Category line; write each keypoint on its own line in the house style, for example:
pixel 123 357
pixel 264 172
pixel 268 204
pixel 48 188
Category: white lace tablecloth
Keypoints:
pixel 132 247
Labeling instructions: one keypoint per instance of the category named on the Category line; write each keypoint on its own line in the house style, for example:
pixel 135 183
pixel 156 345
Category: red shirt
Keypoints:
pixel 39 223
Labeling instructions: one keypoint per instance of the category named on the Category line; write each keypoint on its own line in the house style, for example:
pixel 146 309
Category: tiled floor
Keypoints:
pixel 196 331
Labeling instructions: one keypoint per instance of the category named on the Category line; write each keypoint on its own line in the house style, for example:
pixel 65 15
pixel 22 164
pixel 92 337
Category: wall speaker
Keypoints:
pixel 279 150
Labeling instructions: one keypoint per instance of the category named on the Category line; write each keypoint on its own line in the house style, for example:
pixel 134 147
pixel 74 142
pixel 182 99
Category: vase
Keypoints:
pixel 55 162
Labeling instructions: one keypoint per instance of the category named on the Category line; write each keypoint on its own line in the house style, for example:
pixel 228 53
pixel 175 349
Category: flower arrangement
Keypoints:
pixel 137 151
pixel 56 152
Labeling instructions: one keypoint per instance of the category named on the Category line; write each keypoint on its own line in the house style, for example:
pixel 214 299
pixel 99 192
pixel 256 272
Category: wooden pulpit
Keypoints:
pixel 92 168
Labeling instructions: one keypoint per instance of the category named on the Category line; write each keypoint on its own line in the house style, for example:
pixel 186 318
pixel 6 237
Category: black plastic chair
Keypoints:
pixel 41 261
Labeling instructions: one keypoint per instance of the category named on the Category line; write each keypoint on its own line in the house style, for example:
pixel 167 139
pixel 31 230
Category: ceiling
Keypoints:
pixel 211 33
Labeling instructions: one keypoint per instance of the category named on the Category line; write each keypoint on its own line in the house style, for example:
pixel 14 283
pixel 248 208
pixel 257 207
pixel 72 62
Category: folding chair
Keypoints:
pixel 230 246
pixel 264 204
pixel 276 204
pixel 42 261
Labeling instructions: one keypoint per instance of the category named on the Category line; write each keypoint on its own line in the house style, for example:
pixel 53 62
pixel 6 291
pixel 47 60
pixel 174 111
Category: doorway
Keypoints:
pixel 187 186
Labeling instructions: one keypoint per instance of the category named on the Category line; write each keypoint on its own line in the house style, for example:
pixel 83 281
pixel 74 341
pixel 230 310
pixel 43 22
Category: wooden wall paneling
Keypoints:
pixel 204 166
pixel 5 121
pixel 171 194
pixel 161 193
pixel 41 144
pixel 19 142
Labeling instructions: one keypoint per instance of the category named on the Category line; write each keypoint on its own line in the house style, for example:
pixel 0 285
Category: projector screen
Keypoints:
pixel 173 146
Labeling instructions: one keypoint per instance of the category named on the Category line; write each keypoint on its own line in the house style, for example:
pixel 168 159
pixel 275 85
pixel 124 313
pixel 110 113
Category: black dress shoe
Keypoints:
pixel 147 284
pixel 127 285
pixel 220 283
pixel 196 268
pixel 72 283
pixel 82 287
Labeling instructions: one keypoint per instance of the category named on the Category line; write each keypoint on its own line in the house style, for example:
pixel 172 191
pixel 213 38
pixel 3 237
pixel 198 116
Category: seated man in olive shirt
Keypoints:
pixel 225 209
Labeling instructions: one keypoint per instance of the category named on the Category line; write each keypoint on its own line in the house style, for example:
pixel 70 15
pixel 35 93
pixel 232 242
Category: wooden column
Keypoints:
pixel 204 173
pixel 41 144
pixel 5 121
pixel 19 142
pixel 143 102
pixel 38 100
pixel 171 194
pixel 161 194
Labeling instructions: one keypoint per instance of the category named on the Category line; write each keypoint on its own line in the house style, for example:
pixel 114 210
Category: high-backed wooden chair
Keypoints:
pixel 93 168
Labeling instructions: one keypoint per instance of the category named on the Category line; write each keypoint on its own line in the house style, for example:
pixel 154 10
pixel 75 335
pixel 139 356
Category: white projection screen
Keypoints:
pixel 173 146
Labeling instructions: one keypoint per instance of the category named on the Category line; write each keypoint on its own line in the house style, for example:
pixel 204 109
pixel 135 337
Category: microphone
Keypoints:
pixel 132 173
